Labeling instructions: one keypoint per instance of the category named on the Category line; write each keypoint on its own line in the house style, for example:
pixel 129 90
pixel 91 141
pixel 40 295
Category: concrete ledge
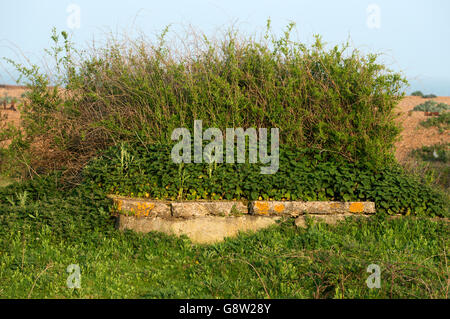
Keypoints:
pixel 212 221
pixel 296 208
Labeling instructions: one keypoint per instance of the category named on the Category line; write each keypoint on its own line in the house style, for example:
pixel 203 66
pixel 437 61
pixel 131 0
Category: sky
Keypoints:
pixel 413 35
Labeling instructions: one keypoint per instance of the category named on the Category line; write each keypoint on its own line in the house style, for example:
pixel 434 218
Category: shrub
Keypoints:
pixel 438 152
pixel 335 100
pixel 304 174
pixel 40 188
pixel 431 162
pixel 425 96
pixel 442 122
pixel 432 106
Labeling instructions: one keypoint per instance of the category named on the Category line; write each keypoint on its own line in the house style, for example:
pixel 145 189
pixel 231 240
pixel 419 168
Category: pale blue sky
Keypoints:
pixel 414 35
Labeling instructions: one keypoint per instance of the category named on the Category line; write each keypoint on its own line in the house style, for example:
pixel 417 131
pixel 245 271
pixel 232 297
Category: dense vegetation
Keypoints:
pixel 334 109
pixel 39 239
pixel 328 99
pixel 115 110
pixel 148 171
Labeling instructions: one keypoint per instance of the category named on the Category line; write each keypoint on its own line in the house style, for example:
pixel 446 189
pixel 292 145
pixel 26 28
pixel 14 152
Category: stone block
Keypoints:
pixel 142 207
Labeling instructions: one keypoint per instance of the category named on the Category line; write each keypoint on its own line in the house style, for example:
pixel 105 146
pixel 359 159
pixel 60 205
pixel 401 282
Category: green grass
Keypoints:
pixel 39 240
pixel 5 181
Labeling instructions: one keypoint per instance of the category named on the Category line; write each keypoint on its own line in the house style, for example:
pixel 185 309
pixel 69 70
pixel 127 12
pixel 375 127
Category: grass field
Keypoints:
pixel 38 241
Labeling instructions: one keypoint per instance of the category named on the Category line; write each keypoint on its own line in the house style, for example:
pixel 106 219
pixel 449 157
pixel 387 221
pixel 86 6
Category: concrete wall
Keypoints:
pixel 212 221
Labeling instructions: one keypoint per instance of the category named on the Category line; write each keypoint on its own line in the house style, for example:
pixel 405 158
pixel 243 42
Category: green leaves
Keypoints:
pixel 304 174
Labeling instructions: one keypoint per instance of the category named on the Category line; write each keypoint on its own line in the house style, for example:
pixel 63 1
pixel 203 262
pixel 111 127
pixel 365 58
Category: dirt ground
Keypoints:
pixel 12 116
pixel 12 91
pixel 413 135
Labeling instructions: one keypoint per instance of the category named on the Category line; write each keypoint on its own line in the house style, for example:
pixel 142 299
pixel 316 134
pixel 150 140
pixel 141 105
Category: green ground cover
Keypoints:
pixel 40 239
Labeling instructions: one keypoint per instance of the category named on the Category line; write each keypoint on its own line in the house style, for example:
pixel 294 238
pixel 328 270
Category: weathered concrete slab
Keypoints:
pixel 212 221
pixel 205 208
pixel 142 207
pixel 205 229
pixel 297 208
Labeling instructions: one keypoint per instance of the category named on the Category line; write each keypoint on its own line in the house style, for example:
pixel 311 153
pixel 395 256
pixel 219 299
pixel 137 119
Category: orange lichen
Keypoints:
pixel 356 208
pixel 279 208
pixel 144 209
pixel 262 208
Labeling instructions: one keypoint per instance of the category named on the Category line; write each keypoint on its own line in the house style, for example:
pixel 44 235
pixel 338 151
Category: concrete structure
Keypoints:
pixel 212 221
